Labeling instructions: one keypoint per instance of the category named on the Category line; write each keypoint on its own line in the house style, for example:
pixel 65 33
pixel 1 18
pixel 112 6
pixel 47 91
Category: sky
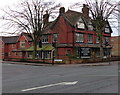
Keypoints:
pixel 65 3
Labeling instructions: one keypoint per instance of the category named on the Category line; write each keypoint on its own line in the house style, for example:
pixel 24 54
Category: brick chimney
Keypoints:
pixel 61 10
pixel 46 18
pixel 85 10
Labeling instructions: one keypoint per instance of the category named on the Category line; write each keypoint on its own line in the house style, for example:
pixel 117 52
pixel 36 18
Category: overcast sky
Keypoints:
pixel 65 3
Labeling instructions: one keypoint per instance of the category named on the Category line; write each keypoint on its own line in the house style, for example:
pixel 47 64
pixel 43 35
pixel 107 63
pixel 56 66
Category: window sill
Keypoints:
pixel 44 42
pixel 79 42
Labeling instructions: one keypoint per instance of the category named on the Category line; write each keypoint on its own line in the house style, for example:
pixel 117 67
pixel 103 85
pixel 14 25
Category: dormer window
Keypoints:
pixel 22 44
pixel 90 27
pixel 107 30
pixel 80 24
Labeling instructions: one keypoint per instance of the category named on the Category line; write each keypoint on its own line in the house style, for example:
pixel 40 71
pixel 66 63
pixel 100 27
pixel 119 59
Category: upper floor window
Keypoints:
pixel 13 46
pixel 107 30
pixel 79 37
pixel 97 39
pixel 106 39
pixel 54 37
pixel 80 24
pixel 9 54
pixel 22 44
pixel 90 38
pixel 2 54
pixel 90 27
pixel 45 39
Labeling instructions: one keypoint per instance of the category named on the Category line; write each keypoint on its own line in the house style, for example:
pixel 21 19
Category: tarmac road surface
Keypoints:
pixel 59 79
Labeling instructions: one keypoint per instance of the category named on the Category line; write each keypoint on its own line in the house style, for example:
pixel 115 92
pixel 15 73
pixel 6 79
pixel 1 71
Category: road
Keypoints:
pixel 59 79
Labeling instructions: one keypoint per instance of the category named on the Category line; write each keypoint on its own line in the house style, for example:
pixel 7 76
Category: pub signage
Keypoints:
pixel 84 52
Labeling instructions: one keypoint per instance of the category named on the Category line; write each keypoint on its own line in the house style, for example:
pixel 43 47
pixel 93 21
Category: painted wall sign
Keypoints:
pixel 84 52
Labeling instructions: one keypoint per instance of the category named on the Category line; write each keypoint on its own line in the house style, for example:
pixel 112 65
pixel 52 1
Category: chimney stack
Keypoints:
pixel 46 18
pixel 85 10
pixel 61 10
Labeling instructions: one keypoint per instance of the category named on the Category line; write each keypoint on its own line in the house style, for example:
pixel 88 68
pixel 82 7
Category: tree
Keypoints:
pixel 101 11
pixel 30 17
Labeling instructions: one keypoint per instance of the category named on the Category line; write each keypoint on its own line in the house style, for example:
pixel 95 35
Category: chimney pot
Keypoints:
pixel 46 18
pixel 62 10
pixel 85 10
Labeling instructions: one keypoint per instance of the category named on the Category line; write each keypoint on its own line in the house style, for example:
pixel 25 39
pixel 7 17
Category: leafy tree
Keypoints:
pixel 29 17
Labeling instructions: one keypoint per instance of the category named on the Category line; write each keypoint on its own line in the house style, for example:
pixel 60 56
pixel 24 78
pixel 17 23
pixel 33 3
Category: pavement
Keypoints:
pixel 42 64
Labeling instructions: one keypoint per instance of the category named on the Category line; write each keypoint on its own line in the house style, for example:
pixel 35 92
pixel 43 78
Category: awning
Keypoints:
pixel 44 48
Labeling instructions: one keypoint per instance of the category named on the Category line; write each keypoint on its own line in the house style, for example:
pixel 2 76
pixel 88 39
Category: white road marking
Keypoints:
pixel 62 83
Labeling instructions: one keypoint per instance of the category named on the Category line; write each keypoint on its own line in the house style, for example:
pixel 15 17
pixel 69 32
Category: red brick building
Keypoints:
pixel 71 32
pixel 13 46
pixel 115 42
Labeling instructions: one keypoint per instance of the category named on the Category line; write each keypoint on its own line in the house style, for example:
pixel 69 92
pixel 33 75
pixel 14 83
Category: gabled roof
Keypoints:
pixel 10 39
pixel 70 16
pixel 109 27
pixel 26 36
pixel 73 16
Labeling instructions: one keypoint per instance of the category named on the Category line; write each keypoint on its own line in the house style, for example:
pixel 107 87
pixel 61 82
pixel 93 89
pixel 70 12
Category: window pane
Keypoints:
pixel 22 44
pixel 79 37
pixel 107 30
pixel 45 39
pixel 89 38
pixel 90 27
pixel 106 39
pixel 54 37
pixel 97 39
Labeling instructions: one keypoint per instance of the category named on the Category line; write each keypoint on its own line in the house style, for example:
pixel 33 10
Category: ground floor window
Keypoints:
pixel 107 52
pixel 30 54
pixel 97 52
pixel 41 54
pixel 16 53
pixel 47 54
pixel 9 54
pixel 20 53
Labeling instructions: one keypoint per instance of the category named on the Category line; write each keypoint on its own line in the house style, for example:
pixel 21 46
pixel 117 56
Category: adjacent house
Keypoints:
pixel 70 34
pixel 13 46
pixel 8 45
pixel 115 42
